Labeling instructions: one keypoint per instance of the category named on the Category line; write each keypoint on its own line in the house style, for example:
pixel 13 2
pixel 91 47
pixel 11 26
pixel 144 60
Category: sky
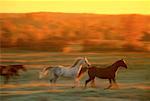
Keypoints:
pixel 76 6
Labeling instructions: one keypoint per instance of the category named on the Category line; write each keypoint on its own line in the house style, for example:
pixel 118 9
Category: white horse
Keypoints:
pixel 70 72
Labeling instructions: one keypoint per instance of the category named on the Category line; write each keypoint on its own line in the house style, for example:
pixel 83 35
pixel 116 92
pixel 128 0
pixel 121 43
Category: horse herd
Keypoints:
pixel 75 71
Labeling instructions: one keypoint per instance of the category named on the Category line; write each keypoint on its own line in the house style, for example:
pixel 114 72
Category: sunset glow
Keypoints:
pixel 76 6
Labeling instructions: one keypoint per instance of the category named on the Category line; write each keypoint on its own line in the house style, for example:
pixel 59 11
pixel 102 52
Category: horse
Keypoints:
pixel 9 71
pixel 70 72
pixel 104 73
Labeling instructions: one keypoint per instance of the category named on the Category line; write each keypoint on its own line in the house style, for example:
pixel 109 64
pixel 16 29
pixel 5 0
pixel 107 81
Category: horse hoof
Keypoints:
pixel 115 87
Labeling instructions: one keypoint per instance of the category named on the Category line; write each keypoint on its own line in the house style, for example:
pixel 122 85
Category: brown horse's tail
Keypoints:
pixel 83 70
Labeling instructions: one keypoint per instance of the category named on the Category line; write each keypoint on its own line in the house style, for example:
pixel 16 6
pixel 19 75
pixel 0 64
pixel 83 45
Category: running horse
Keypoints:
pixel 11 70
pixel 61 71
pixel 103 73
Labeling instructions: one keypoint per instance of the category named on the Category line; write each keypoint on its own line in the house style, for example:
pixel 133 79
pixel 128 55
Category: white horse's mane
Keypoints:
pixel 76 62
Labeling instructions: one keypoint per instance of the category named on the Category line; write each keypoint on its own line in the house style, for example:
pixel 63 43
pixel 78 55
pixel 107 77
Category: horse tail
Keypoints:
pixel 48 68
pixel 45 72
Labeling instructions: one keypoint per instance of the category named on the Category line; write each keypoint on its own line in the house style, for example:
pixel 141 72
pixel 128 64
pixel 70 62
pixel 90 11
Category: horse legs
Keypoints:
pixel 115 83
pixel 76 83
pixel 87 81
pixel 17 74
pixel 110 85
pixel 93 83
pixel 6 79
pixel 53 80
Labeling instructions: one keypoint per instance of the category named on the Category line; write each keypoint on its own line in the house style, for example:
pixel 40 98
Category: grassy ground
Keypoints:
pixel 134 82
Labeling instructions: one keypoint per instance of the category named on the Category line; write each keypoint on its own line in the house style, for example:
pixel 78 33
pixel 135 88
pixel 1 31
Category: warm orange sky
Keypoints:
pixel 76 6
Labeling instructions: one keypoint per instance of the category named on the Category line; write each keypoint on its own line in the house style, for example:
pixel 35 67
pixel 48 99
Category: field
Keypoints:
pixel 134 83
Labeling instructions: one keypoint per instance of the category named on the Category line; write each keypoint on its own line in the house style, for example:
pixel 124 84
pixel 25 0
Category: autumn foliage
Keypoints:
pixel 59 31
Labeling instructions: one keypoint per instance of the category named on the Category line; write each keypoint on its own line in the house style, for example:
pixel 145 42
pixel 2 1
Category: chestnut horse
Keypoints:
pixel 104 73
pixel 9 71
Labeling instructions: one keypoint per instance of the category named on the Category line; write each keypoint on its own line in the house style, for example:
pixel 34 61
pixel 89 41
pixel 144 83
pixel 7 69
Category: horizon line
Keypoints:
pixel 73 13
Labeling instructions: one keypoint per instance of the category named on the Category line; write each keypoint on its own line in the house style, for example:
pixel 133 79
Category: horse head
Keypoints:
pixel 122 63
pixel 85 62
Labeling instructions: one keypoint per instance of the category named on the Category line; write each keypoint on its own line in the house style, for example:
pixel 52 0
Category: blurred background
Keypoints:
pixel 65 32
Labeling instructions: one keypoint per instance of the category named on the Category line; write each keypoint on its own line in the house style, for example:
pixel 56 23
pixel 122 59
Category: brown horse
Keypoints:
pixel 104 73
pixel 9 71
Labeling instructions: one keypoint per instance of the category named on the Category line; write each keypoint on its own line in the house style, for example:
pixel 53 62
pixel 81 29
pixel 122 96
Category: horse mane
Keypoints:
pixel 112 65
pixel 119 61
pixel 76 62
